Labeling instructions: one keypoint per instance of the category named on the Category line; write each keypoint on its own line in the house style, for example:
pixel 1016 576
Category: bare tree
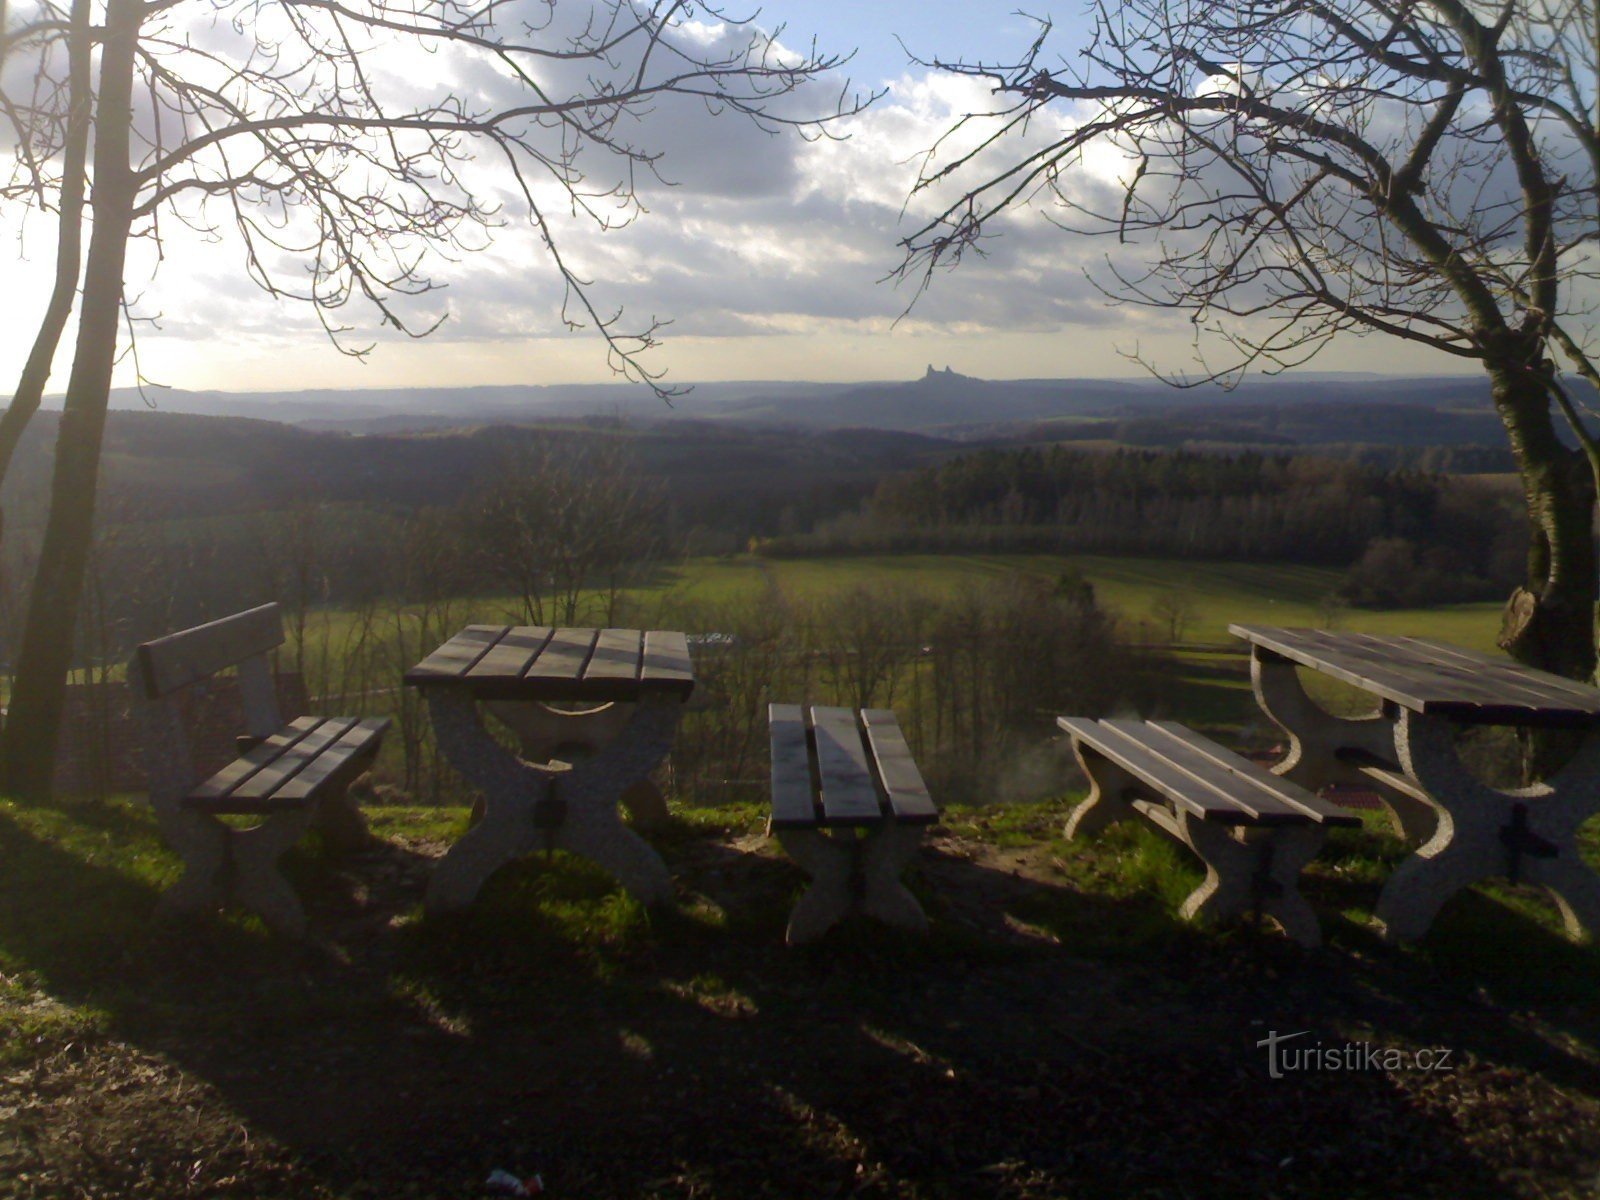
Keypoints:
pixel 1289 174
pixel 304 133
pixel 564 522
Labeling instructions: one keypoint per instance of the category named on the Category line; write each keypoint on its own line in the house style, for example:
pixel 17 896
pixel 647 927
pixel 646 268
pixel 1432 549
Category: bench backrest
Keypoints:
pixel 185 658
pixel 167 665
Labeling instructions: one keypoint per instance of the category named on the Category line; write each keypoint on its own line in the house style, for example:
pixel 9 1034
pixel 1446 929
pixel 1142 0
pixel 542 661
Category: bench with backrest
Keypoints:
pixel 850 806
pixel 295 774
pixel 1253 830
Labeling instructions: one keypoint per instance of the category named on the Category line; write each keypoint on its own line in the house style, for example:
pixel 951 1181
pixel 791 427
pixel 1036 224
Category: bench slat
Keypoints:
pixel 903 783
pixel 793 797
pixel 186 657
pixel 1252 775
pixel 1195 781
pixel 457 656
pixel 618 654
pixel 513 653
pixel 849 796
pixel 338 762
pixel 264 783
pixel 258 756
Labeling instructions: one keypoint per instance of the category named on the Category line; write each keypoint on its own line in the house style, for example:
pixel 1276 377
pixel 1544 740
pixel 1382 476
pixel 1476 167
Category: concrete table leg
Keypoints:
pixel 527 808
pixel 1528 835
pixel 1322 746
pixel 547 734
pixel 223 865
pixel 853 874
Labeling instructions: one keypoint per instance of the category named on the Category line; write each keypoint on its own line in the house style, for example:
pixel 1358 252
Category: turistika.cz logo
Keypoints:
pixel 1287 1055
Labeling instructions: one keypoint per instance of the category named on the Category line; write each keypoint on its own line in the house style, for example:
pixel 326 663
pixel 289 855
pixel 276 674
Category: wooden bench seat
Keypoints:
pixel 295 774
pixel 1252 829
pixel 293 768
pixel 850 806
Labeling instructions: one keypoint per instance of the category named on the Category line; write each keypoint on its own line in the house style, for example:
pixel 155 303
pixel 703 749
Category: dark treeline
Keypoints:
pixel 1188 504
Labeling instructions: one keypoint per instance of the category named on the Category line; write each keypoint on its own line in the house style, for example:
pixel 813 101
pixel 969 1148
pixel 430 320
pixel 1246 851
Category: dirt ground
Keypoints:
pixel 697 1057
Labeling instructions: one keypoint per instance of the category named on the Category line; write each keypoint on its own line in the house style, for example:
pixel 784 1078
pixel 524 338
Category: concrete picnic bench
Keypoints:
pixel 1426 692
pixel 295 774
pixel 1253 831
pixel 626 689
pixel 850 806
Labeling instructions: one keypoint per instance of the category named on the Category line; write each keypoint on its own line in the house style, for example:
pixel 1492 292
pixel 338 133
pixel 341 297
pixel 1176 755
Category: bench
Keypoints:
pixel 295 774
pixel 1253 830
pixel 848 805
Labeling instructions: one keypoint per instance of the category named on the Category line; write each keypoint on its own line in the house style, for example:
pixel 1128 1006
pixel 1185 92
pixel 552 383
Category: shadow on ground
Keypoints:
pixel 1048 1039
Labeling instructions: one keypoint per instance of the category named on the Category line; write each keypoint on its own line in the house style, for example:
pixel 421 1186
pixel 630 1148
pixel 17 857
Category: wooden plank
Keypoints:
pixel 1314 652
pixel 1537 687
pixel 183 658
pixel 338 763
pixel 456 657
pixel 666 661
pixel 1252 776
pixel 1226 794
pixel 258 756
pixel 618 655
pixel 512 654
pixel 1433 677
pixel 849 796
pixel 902 782
pixel 793 796
pixel 261 786
pixel 562 660
pixel 1202 789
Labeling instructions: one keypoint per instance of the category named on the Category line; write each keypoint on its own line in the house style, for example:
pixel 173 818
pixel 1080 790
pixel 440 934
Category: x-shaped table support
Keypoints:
pixel 1528 835
pixel 528 807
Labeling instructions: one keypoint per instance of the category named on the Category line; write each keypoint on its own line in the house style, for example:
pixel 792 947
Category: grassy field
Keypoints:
pixel 1222 592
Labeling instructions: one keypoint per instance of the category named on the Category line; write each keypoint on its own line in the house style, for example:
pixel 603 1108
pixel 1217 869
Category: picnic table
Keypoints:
pixel 616 692
pixel 1426 692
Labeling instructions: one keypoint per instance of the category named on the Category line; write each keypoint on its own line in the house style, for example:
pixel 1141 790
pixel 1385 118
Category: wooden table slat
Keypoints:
pixel 618 654
pixel 513 654
pixel 903 783
pixel 564 656
pixel 457 656
pixel 849 795
pixel 793 797
pixel 666 660
pixel 1433 677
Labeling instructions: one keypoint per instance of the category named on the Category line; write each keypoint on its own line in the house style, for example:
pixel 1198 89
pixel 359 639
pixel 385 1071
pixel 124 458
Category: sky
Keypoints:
pixel 768 259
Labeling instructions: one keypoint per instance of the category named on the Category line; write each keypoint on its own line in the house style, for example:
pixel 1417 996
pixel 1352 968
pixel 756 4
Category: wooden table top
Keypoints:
pixel 532 662
pixel 1435 678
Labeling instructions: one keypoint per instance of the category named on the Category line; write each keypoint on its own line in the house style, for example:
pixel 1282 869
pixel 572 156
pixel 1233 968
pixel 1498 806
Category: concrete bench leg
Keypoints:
pixel 340 822
pixel 223 866
pixel 1261 873
pixel 1316 738
pixel 527 809
pixel 1109 792
pixel 851 874
pixel 1527 835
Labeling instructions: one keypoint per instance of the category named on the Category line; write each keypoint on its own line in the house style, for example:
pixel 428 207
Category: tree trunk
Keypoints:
pixel 28 743
pixel 1550 622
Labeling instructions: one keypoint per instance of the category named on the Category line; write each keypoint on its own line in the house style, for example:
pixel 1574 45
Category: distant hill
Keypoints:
pixel 941 402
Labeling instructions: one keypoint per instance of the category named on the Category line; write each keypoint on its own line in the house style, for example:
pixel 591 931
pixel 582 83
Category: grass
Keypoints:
pixel 1053 1035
